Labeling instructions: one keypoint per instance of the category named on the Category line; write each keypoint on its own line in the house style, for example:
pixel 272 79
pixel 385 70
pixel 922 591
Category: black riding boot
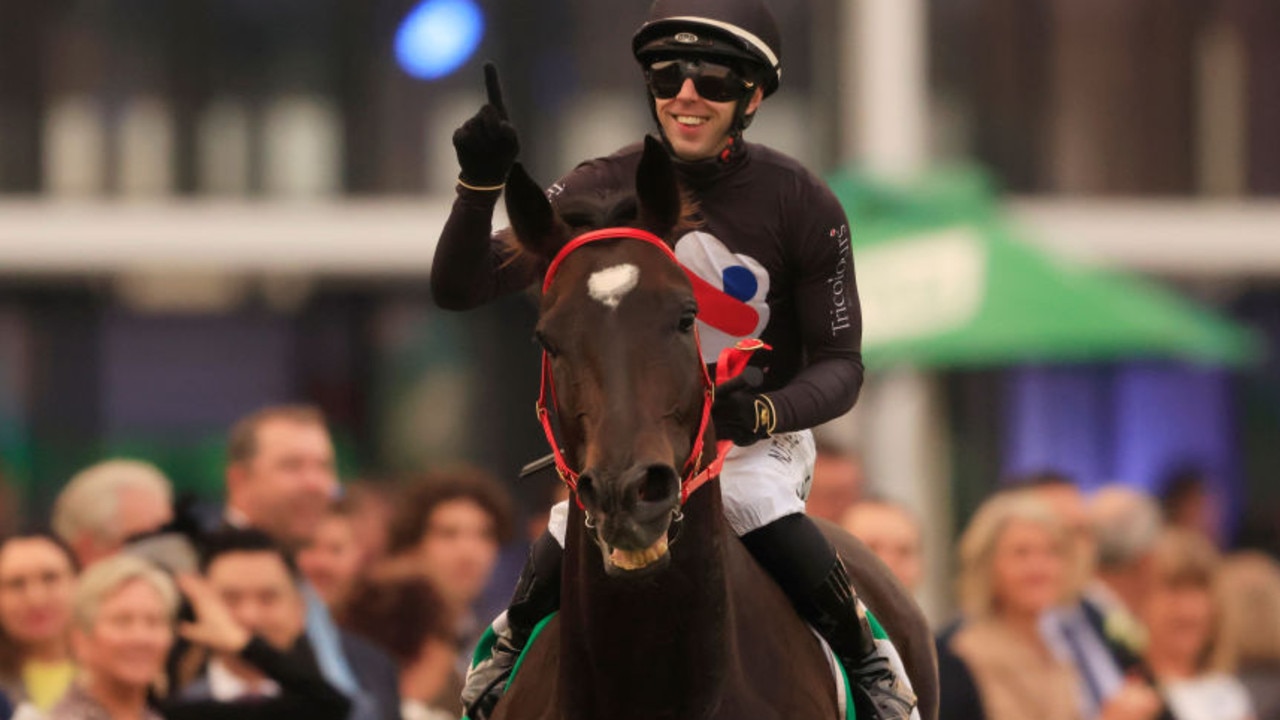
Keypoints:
pixel 834 612
pixel 804 564
pixel 537 595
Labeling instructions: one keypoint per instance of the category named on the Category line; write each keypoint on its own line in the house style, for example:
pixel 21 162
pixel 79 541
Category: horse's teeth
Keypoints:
pixel 659 549
pixel 640 558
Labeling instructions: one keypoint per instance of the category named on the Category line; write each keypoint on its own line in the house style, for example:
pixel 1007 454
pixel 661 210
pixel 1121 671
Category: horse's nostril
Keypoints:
pixel 587 490
pixel 660 483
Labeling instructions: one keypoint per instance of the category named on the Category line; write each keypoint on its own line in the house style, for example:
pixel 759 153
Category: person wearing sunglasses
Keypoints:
pixel 700 103
pixel 775 241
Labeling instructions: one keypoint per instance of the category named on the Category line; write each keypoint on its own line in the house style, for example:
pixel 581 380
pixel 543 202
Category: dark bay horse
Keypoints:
pixel 692 630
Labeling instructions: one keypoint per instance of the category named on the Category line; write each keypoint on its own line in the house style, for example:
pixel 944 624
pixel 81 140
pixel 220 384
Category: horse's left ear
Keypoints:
pixel 536 226
pixel 657 190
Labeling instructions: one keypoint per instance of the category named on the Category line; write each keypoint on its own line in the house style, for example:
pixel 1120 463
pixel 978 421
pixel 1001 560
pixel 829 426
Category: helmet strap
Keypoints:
pixel 742 119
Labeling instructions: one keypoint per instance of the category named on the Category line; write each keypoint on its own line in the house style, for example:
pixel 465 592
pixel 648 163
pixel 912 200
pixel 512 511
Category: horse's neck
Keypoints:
pixel 656 647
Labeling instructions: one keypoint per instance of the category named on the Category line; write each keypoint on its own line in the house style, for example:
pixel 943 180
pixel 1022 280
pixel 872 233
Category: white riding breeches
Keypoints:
pixel 760 483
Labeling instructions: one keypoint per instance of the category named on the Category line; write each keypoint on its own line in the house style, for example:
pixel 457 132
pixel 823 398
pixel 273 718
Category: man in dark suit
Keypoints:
pixel 959 696
pixel 281 478
pixel 1126 525
pixel 376 673
pixel 1078 631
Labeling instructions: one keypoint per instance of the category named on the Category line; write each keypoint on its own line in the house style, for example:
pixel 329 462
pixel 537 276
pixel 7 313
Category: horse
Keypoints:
pixel 664 614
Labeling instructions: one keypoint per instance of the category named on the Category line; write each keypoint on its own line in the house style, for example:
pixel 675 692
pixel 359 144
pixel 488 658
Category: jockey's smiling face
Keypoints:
pixel 695 127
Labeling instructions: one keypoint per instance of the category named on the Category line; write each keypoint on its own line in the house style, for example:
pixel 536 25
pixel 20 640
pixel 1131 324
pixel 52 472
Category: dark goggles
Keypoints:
pixel 713 81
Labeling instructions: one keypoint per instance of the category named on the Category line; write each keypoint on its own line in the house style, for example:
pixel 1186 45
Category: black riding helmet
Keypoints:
pixel 742 32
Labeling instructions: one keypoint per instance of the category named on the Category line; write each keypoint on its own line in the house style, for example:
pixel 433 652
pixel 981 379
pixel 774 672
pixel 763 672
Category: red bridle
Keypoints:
pixel 731 362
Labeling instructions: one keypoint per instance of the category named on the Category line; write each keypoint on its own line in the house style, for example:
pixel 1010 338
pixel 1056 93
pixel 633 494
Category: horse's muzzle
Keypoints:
pixel 631 513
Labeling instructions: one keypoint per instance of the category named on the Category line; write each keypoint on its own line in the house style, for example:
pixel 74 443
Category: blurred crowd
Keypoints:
pixel 1114 605
pixel 299 596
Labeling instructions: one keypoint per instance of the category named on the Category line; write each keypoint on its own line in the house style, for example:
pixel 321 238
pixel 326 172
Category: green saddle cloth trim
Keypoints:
pixel 537 630
pixel 485 647
pixel 849 712
pixel 877 630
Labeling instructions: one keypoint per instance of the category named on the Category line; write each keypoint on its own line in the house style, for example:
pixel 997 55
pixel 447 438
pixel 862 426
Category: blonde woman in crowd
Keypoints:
pixel 1182 620
pixel 1249 644
pixel 122 630
pixel 1015 562
pixel 37 579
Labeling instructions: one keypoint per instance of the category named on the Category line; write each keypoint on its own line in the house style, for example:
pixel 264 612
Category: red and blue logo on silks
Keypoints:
pixel 731 289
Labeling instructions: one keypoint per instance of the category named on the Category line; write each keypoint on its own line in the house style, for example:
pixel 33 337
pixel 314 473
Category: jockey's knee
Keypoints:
pixel 794 551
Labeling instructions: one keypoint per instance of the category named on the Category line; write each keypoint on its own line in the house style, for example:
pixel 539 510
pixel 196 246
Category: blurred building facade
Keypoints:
pixel 300 101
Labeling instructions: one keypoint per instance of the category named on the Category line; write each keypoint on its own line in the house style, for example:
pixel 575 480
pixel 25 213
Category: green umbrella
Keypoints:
pixel 945 283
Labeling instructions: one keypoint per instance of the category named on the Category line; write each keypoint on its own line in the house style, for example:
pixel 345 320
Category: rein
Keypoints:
pixel 732 361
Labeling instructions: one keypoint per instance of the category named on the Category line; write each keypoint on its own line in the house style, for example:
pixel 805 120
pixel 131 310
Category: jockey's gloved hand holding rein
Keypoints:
pixel 487 143
pixel 739 413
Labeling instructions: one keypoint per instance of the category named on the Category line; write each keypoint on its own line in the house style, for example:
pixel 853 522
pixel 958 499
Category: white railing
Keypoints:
pixel 397 236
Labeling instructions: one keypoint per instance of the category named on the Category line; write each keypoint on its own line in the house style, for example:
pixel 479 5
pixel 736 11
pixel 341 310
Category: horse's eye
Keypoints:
pixel 686 320
pixel 541 338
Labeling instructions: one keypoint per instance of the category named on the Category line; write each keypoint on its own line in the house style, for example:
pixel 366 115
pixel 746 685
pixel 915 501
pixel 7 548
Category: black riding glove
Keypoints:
pixel 487 144
pixel 739 413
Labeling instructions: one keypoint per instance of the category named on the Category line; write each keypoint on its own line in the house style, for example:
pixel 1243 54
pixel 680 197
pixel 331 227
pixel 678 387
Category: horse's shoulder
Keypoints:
pixel 781 658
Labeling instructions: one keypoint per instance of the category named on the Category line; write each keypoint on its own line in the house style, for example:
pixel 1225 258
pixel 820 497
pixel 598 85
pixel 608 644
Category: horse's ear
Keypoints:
pixel 534 221
pixel 657 190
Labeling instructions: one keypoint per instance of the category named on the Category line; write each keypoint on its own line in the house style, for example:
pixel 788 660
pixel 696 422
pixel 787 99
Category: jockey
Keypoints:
pixel 774 239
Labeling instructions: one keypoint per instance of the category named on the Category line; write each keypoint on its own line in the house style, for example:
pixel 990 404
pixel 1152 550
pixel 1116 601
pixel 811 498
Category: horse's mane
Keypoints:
pixel 610 208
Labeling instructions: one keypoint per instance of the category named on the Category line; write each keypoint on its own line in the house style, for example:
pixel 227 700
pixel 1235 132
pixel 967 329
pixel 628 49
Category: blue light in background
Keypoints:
pixel 438 36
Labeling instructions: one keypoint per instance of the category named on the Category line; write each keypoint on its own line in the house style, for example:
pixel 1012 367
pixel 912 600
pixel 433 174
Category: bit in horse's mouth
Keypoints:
pixel 638 559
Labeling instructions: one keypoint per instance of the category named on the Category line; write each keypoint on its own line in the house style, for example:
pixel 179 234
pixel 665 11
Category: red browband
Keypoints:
pixel 731 362
pixel 614 233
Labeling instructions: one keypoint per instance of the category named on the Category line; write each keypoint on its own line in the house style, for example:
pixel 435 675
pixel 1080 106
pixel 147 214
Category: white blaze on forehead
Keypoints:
pixel 612 284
